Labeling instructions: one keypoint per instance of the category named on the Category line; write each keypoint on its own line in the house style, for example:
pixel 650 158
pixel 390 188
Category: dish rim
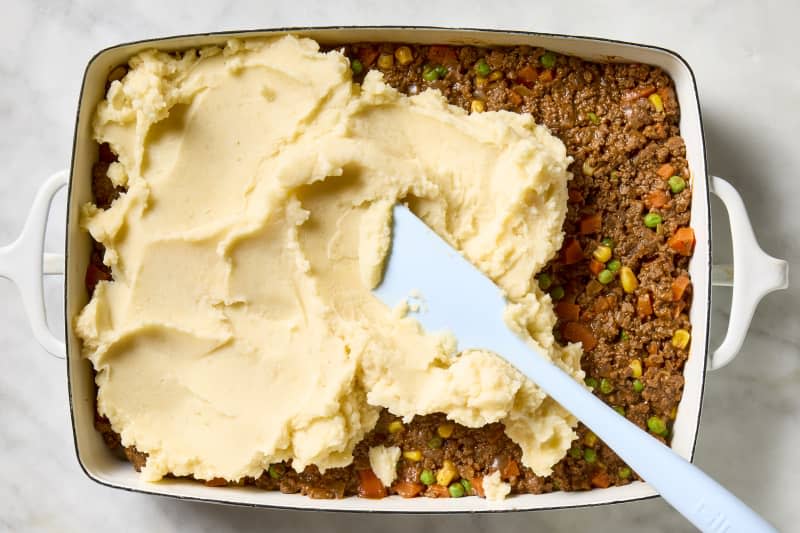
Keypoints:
pixel 160 41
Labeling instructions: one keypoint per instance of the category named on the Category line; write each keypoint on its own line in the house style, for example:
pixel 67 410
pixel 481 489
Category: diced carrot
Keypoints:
pixel 574 195
pixel 369 486
pixel 679 286
pixel 642 92
pixel 572 252
pixel 657 198
pixel 678 308
pixel 408 489
pixel 511 469
pixel 438 491
pixel 442 55
pixel 514 97
pixel 567 311
pixel 666 171
pixel 682 241
pixel 527 74
pixel 595 266
pixel 665 94
pixel 367 55
pixel 591 224
pixel 601 479
pixel 577 332
pixel 644 307
pixel 477 484
pixel 216 482
pixel 546 75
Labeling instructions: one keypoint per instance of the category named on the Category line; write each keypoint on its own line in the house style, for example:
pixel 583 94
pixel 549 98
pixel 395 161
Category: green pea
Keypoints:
pixel 427 477
pixel 656 425
pixel 430 74
pixel 467 485
pixel 614 176
pixel 356 66
pixel 651 220
pixel 606 387
pixel 677 184
pixel 442 71
pixel 435 443
pixel 482 68
pixel 624 472
pixel 608 241
pixel 591 382
pixel 619 409
pixel 456 490
pixel 593 118
pixel 589 455
pixel 623 335
pixel 548 60
pixel 605 276
pixel 557 293
pixel 614 265
pixel 638 386
pixel 544 281
pixel 575 453
pixel 276 471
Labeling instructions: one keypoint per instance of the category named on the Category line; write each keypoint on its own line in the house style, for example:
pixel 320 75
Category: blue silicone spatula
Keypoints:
pixel 461 299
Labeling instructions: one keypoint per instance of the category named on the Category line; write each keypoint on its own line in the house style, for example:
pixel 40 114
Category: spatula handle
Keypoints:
pixel 703 501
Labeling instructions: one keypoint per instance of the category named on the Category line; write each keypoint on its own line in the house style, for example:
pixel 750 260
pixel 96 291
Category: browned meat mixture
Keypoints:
pixel 620 285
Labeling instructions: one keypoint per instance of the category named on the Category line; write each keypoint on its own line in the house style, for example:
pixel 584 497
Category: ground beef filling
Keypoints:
pixel 620 284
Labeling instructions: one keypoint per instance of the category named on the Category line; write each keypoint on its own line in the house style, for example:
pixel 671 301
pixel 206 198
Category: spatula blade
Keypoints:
pixel 454 294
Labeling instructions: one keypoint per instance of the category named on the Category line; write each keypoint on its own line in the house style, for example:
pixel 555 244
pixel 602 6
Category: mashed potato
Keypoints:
pixel 240 328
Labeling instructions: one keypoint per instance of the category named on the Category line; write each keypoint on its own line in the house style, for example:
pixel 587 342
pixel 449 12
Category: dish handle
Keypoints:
pixel 24 262
pixel 753 275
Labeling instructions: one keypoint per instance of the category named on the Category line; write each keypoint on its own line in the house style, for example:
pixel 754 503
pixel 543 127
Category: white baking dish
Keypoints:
pixel 24 262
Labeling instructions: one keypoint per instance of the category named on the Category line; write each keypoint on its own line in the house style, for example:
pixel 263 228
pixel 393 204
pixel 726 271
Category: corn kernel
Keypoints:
pixel 445 430
pixel 385 61
pixel 477 106
pixel 636 368
pixel 673 413
pixel 602 253
pixel 413 455
pixel 655 99
pixel 680 339
pixel 481 82
pixel 395 426
pixel 446 474
pixel 628 279
pixel 590 439
pixel 496 75
pixel 404 55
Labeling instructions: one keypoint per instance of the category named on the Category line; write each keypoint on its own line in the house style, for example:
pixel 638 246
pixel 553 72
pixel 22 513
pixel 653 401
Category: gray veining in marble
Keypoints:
pixel 747 67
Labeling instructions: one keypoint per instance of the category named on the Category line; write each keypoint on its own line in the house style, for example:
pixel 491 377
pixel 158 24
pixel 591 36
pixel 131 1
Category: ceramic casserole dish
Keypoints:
pixel 24 262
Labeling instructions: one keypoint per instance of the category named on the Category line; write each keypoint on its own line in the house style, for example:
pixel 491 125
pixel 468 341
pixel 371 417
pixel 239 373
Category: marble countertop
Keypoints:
pixel 749 81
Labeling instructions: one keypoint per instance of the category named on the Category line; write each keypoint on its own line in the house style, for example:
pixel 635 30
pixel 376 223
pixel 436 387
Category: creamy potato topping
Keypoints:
pixel 240 328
